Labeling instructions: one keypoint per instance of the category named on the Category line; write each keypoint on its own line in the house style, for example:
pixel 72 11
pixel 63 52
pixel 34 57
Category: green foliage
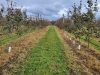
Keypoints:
pixel 21 30
pixel 16 21
pixel 18 15
pixel 93 42
pixel 82 24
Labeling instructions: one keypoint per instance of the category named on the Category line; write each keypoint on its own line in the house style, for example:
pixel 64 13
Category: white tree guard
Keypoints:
pixel 73 42
pixel 9 49
pixel 70 38
pixel 79 47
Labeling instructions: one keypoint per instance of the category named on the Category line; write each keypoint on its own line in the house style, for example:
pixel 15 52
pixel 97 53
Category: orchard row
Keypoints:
pixel 81 24
pixel 17 21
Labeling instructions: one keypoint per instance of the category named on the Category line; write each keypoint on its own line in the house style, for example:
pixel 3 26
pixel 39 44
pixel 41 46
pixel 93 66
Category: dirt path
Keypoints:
pixel 87 59
pixel 20 50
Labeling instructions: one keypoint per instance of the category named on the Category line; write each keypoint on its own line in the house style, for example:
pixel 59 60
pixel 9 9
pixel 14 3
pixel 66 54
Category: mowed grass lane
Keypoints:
pixel 47 58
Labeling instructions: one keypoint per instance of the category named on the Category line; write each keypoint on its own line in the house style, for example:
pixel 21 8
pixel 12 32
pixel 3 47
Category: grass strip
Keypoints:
pixel 47 58
pixel 94 43
pixel 5 38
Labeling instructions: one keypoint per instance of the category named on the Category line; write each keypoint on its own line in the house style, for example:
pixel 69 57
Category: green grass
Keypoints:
pixel 47 58
pixel 5 38
pixel 94 43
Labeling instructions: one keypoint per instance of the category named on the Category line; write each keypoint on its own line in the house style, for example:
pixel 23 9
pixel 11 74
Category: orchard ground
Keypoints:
pixel 48 52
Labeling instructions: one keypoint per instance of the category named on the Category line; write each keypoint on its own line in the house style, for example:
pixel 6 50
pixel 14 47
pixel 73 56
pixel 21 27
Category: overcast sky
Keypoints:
pixel 49 9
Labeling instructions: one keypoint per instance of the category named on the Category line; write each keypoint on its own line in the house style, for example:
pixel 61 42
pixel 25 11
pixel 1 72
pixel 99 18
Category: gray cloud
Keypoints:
pixel 49 9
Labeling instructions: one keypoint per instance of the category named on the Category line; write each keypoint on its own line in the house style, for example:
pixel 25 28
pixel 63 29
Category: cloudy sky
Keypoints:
pixel 49 9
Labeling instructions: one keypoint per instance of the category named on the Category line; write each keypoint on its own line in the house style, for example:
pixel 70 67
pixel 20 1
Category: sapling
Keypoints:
pixel 89 18
pixel 77 19
pixel 10 17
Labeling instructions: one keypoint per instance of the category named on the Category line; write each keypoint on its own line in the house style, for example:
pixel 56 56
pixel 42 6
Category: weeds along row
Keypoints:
pixel 88 58
pixel 76 68
pixel 19 50
pixel 6 38
pixel 94 42
pixel 83 25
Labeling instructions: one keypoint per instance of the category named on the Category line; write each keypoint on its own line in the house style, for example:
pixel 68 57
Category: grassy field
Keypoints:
pixel 5 38
pixel 47 58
